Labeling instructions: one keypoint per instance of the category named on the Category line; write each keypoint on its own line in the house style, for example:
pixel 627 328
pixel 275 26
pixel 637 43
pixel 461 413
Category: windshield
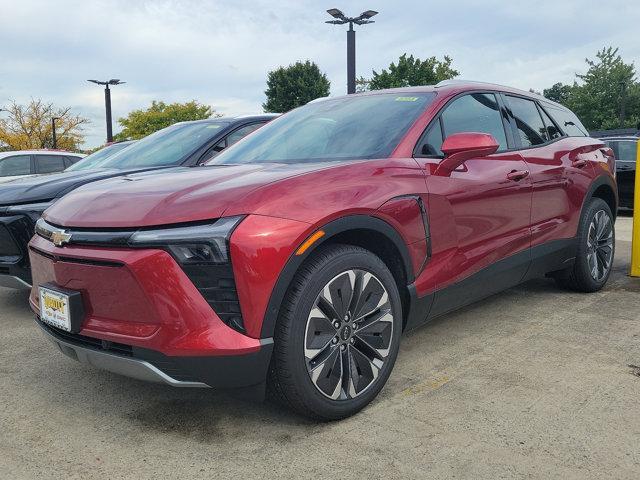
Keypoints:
pixel 169 146
pixel 91 161
pixel 348 128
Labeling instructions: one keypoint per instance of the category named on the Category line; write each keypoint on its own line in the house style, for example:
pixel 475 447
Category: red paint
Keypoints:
pixel 485 209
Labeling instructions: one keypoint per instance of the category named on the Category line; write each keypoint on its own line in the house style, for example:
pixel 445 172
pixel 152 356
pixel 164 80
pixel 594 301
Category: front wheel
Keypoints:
pixel 596 249
pixel 337 335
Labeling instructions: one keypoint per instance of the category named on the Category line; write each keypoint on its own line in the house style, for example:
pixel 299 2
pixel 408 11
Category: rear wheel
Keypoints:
pixel 596 249
pixel 337 335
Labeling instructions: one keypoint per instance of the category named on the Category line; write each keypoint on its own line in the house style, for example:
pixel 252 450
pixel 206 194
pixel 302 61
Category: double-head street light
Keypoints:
pixel 107 102
pixel 341 19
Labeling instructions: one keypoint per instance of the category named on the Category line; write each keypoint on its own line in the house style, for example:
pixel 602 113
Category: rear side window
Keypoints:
pixel 477 112
pixel 242 132
pixel 16 165
pixel 531 129
pixel 49 163
pixel 625 150
pixel 71 160
pixel 552 130
pixel 567 121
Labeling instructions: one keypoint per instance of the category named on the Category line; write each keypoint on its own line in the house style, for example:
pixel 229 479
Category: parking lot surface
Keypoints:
pixel 531 383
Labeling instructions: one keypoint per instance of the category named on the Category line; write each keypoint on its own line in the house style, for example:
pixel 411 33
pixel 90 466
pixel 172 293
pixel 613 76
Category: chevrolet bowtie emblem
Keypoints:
pixel 60 237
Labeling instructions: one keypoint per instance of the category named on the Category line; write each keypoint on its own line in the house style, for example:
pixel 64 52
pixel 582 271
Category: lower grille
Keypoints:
pixel 8 246
pixel 218 287
pixel 4 270
pixel 89 342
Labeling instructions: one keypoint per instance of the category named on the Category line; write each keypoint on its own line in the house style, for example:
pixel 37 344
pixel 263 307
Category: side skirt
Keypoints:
pixel 538 261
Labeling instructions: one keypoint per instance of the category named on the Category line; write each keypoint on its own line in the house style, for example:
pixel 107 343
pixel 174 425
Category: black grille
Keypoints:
pixel 4 270
pixel 8 246
pixel 89 342
pixel 218 287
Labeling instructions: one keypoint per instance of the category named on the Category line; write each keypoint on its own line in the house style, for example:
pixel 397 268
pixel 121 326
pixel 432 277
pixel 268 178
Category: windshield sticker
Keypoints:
pixel 406 99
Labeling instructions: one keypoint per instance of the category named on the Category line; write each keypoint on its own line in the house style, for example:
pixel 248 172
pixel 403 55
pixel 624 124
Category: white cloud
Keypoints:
pixel 219 52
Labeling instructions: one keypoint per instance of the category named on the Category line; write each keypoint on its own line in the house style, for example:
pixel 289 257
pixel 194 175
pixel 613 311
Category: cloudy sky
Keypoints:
pixel 219 52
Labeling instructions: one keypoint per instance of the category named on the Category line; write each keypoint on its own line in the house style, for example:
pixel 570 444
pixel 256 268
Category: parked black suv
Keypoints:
pixel 624 144
pixel 182 144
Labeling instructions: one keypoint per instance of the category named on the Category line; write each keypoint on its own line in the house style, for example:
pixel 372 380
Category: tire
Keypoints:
pixel 306 371
pixel 593 246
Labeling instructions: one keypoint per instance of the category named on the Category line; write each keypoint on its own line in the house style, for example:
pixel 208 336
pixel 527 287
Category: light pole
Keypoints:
pixel 107 102
pixel 341 19
pixel 53 129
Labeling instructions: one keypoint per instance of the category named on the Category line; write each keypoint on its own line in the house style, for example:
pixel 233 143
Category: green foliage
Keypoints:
pixel 140 123
pixel 293 86
pixel 558 93
pixel 607 96
pixel 409 72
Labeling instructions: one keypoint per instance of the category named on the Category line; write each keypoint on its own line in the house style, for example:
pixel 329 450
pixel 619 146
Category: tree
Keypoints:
pixel 140 123
pixel 24 127
pixel 558 93
pixel 293 86
pixel 410 71
pixel 606 96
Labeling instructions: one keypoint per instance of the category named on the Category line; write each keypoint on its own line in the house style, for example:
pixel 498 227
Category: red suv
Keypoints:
pixel 296 259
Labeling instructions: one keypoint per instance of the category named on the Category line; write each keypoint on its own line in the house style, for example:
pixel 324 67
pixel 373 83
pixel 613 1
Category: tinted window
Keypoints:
pixel 97 157
pixel 478 112
pixel 241 133
pixel 213 151
pixel 552 130
pixel 348 128
pixel 169 146
pixel 49 163
pixel 567 121
pixel 17 165
pixel 431 143
pixel 71 160
pixel 531 129
pixel 626 150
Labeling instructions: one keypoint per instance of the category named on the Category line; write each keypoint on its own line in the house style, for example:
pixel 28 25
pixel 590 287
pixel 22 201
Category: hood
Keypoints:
pixel 180 195
pixel 40 188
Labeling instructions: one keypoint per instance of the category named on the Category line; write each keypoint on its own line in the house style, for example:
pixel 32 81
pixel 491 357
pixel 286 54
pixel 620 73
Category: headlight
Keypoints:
pixel 194 244
pixel 34 210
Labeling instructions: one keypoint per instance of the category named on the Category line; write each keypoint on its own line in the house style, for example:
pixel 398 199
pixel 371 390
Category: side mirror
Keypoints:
pixel 460 147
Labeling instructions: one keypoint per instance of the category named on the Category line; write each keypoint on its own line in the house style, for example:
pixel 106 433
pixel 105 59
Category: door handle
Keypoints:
pixel 579 163
pixel 517 175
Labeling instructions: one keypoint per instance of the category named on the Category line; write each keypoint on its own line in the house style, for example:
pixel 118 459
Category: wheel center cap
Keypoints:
pixel 345 333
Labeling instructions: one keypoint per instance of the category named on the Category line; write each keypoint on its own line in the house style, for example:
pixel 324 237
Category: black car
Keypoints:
pixel 625 148
pixel 182 144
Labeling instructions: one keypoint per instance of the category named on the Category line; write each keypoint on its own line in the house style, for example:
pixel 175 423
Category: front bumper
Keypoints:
pixel 196 372
pixel 144 318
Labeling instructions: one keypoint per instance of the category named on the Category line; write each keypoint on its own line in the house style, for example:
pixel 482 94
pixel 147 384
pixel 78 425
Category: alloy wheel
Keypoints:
pixel 600 245
pixel 348 334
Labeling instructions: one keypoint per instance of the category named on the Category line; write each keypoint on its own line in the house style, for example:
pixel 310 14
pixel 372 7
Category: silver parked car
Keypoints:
pixel 24 163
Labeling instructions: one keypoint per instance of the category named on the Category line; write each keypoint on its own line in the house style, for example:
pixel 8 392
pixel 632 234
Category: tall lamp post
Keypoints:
pixel 107 102
pixel 53 129
pixel 341 19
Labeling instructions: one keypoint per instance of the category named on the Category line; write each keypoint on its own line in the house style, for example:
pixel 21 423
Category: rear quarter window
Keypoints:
pixel 567 121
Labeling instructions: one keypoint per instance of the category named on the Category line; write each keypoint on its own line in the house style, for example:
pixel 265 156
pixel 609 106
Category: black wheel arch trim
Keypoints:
pixel 331 229
pixel 602 180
